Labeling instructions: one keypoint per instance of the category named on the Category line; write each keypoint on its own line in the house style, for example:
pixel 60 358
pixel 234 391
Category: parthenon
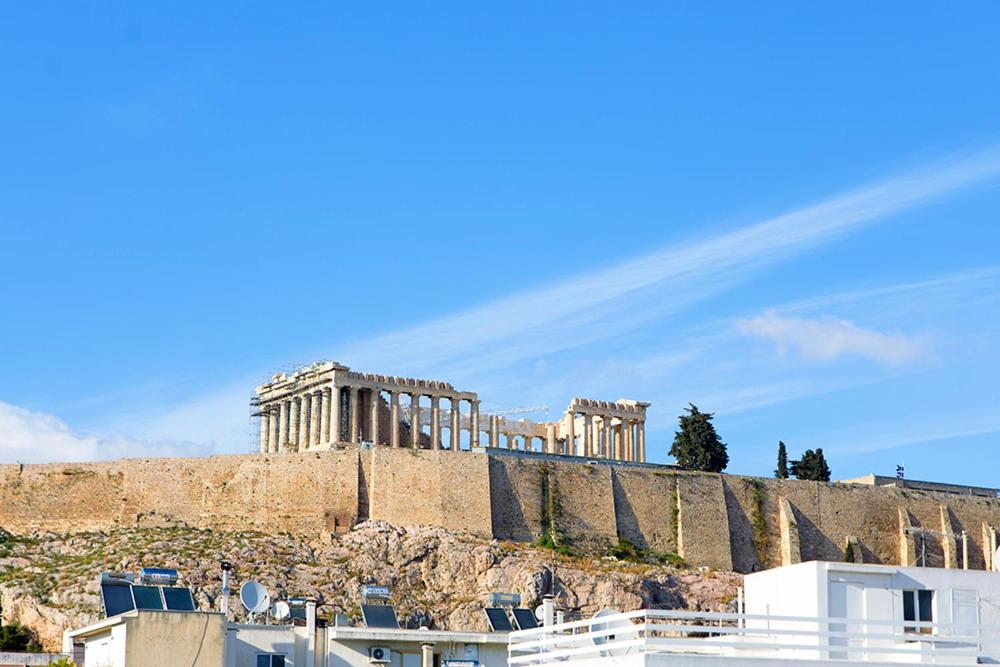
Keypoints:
pixel 327 405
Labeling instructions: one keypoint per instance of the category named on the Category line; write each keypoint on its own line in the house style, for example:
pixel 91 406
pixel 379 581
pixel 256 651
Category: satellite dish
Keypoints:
pixel 281 610
pixel 254 597
pixel 540 613
pixel 601 623
pixel 996 560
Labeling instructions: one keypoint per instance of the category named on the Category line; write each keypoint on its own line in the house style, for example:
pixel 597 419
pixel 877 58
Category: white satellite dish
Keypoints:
pixel 996 560
pixel 281 610
pixel 601 623
pixel 254 597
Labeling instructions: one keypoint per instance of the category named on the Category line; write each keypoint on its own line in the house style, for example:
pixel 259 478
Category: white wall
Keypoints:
pixel 106 650
pixel 243 645
pixel 354 652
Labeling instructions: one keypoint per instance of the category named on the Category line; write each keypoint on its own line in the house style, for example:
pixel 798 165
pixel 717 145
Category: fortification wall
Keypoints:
pixel 289 492
pixel 720 521
pixel 434 487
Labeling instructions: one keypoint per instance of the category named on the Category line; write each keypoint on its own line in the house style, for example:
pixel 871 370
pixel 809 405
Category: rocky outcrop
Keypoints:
pixel 439 578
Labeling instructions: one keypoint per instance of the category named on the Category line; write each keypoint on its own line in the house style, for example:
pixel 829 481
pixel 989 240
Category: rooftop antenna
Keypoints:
pixel 255 599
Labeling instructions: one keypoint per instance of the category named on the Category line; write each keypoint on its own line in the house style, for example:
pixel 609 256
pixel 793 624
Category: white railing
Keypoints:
pixel 30 659
pixel 649 632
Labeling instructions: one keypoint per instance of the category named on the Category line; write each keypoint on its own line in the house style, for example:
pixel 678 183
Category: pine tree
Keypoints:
pixel 812 466
pixel 781 472
pixel 696 445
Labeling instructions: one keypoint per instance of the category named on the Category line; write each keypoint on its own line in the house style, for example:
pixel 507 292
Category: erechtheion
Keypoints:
pixel 327 405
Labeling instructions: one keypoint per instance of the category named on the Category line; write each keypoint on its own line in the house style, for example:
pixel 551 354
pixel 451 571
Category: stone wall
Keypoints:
pixel 430 487
pixel 296 493
pixel 720 521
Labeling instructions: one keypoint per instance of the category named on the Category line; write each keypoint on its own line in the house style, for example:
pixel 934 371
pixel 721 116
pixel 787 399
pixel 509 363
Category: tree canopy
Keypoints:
pixel 812 466
pixel 14 637
pixel 781 472
pixel 696 445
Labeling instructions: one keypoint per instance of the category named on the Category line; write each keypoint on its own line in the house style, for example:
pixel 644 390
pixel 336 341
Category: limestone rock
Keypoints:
pixel 439 578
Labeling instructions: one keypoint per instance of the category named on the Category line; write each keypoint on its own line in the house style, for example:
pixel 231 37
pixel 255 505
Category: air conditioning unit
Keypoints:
pixel 379 654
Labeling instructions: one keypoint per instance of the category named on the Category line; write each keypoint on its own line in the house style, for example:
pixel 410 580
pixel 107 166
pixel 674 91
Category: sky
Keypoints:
pixel 785 214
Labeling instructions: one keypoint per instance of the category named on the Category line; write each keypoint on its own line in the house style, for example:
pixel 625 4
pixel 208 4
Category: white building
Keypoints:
pixel 812 613
pixel 288 646
pixel 145 638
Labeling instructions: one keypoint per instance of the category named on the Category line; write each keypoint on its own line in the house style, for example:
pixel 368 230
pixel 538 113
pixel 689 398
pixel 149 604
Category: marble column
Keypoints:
pixel 376 405
pixel 512 442
pixel 354 413
pixel 456 425
pixel 640 436
pixel 394 418
pixel 323 436
pixel 304 422
pixel 264 430
pixel 629 442
pixel 282 425
pixel 336 419
pixel 494 431
pixel 618 434
pixel 293 424
pixel 570 437
pixel 606 434
pixel 272 436
pixel 588 435
pixel 550 439
pixel 415 420
pixel 474 424
pixel 435 422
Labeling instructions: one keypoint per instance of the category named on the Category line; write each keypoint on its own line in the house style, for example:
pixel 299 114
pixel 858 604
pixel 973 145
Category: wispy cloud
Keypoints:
pixel 829 338
pixel 623 297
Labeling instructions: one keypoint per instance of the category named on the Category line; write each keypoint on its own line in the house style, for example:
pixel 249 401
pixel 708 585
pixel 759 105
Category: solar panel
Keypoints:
pixel 147 597
pixel 525 619
pixel 178 599
pixel 379 616
pixel 498 620
pixel 117 599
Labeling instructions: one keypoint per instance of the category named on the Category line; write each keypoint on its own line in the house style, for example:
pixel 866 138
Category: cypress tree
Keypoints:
pixel 696 445
pixel 812 466
pixel 781 472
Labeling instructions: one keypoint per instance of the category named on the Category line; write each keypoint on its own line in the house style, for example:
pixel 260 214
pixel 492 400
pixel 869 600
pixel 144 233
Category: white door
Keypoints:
pixel 847 600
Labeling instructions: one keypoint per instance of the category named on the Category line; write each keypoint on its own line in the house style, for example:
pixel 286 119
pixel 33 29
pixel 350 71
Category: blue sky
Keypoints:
pixel 786 214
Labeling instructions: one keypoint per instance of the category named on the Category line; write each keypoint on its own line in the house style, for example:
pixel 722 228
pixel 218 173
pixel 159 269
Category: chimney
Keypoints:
pixel 310 631
pixel 548 610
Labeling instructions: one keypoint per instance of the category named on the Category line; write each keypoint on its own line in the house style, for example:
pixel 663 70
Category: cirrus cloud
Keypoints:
pixel 827 338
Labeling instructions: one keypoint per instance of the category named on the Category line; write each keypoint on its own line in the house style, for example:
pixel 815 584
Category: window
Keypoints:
pixel 918 606
pixel 270 660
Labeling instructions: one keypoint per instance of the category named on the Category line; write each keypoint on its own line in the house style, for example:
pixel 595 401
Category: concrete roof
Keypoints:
pixel 111 621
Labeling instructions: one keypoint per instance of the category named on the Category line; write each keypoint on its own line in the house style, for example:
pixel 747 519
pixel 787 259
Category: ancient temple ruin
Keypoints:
pixel 327 405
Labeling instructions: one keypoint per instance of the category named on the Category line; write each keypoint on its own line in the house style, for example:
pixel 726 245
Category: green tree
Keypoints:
pixel 14 637
pixel 781 472
pixel 697 446
pixel 812 466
